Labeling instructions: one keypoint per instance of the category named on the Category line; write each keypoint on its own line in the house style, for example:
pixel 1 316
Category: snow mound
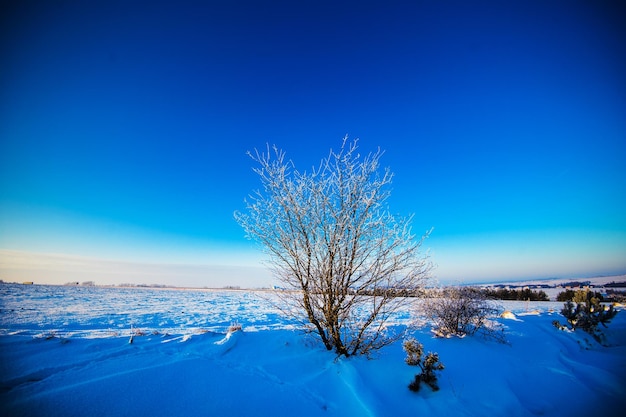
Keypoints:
pixel 530 313
pixel 279 371
pixel 509 315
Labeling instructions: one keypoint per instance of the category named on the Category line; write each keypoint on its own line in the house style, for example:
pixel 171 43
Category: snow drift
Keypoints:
pixel 65 363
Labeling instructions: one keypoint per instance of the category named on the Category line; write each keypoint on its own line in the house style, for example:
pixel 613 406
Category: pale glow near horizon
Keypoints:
pixel 528 255
pixel 459 260
pixel 51 268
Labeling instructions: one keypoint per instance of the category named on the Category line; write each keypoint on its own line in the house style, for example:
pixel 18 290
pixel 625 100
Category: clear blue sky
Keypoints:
pixel 124 127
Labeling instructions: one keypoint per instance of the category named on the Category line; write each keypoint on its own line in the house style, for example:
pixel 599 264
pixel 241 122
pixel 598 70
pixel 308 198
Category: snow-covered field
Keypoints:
pixel 65 351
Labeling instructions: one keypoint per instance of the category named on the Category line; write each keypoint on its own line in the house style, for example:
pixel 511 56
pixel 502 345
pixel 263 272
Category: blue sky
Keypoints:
pixel 124 128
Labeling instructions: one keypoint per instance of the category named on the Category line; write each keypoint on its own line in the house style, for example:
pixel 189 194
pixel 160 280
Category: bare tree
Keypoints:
pixel 334 245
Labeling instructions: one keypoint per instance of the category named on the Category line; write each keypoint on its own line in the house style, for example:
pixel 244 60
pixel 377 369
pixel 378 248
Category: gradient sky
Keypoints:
pixel 124 127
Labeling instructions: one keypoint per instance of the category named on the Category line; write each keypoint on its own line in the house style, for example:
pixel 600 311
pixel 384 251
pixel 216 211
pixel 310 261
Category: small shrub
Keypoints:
pixel 414 352
pixel 234 327
pixel 53 335
pixel 134 331
pixel 585 312
pixel 462 311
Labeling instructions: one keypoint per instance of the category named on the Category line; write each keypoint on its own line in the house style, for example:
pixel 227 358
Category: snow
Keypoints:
pixel 65 351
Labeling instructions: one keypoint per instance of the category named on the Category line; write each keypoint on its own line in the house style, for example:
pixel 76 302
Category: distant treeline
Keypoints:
pixel 574 284
pixel 614 284
pixel 613 296
pixel 525 294
pixel 388 292
pixel 497 293
pixel 617 296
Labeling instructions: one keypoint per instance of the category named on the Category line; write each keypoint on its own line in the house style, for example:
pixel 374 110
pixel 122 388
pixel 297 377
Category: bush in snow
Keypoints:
pixel 585 312
pixel 460 311
pixel 414 352
pixel 235 327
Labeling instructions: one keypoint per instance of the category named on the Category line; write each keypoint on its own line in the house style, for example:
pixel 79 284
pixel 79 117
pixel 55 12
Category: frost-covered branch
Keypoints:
pixel 333 243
